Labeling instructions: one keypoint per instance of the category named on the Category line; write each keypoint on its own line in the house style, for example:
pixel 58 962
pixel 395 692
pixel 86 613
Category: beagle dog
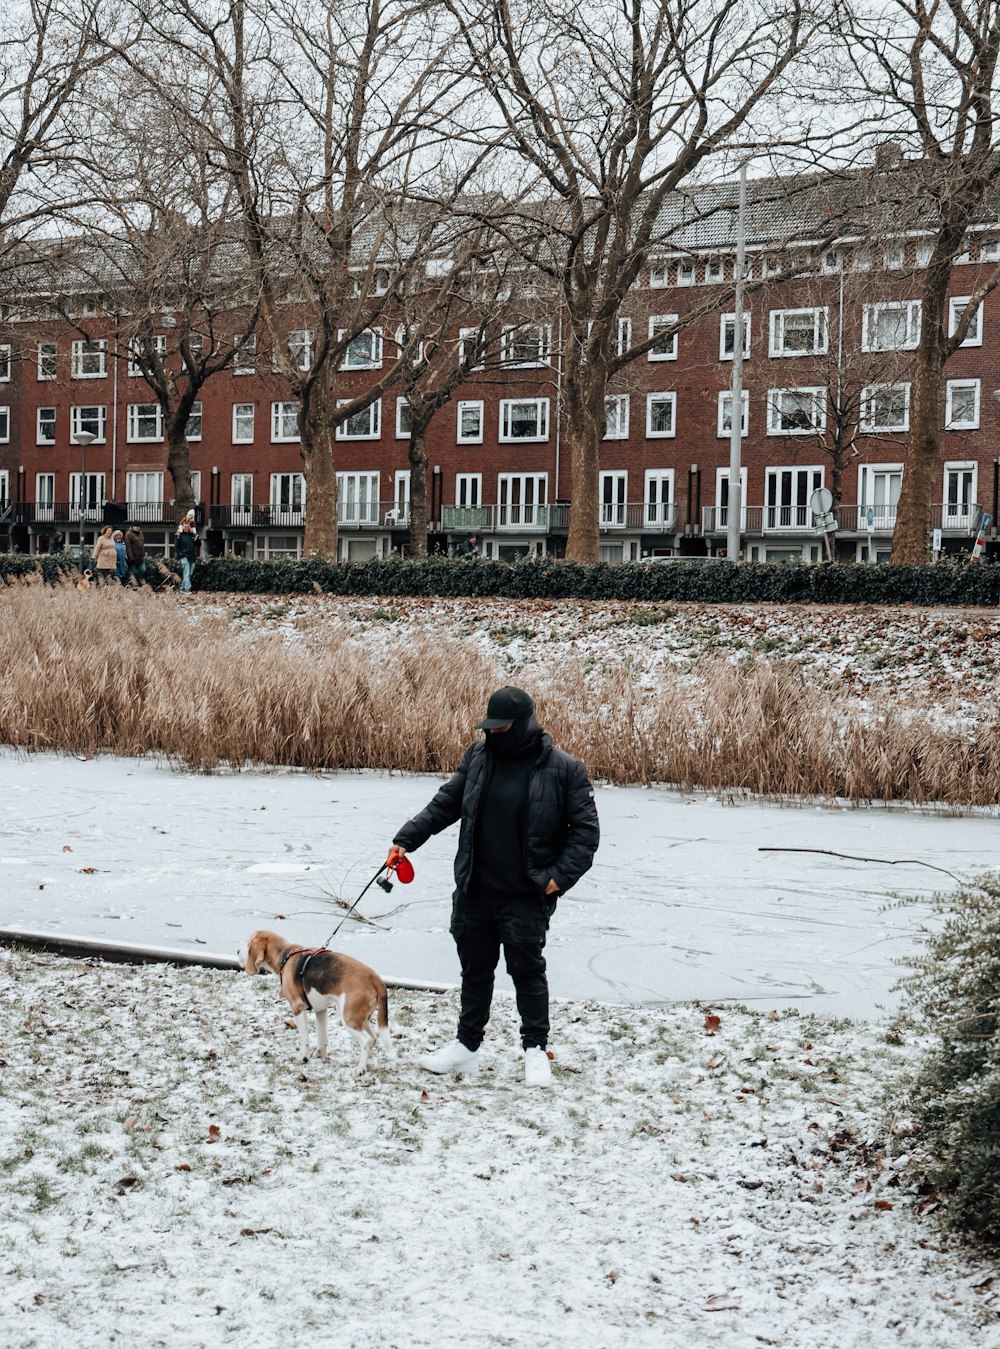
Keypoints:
pixel 321 979
pixel 84 581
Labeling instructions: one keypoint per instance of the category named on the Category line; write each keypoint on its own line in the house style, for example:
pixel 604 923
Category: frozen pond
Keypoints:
pixel 681 903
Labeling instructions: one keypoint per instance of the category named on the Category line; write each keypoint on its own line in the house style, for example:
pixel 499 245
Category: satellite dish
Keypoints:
pixel 821 501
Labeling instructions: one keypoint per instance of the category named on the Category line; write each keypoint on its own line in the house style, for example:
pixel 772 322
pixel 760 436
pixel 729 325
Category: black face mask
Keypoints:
pixel 523 738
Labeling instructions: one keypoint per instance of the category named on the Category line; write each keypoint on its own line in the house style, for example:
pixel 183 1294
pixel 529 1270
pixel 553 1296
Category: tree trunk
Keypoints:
pixel 585 427
pixel 316 440
pixel 179 467
pixel 418 490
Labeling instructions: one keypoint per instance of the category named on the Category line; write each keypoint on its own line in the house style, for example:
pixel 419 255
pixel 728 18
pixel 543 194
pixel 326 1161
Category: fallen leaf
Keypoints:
pixel 183 1166
pixel 280 915
pixel 89 871
pixel 883 1204
pixel 712 1022
pixel 214 1133
pixel 67 848
pixel 722 1302
pixel 424 1096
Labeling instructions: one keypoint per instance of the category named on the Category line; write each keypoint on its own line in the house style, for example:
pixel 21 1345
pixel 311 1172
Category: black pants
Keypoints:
pixel 519 927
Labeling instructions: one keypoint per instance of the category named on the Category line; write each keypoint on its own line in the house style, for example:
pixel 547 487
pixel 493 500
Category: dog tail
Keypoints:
pixel 382 1020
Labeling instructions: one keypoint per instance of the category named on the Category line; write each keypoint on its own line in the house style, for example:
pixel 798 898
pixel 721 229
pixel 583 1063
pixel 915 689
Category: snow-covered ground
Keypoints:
pixel 681 903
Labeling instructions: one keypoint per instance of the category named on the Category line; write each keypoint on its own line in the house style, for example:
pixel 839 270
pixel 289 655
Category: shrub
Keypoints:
pixel 955 994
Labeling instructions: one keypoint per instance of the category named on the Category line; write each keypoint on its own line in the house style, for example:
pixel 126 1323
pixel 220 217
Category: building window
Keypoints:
pixel 885 407
pixel 469 430
pixel 796 412
pixel 959 495
pixel 89 360
pixel 86 492
pixel 144 489
pixel 524 419
pixel 241 496
pixel 47 353
pixel 924 253
pixel 192 430
pixel 399 511
pixel 527 346
pixel 658 277
pixel 284 422
pixel 659 498
pixel 468 490
pixel 45 426
pixel 89 419
pixel 878 495
pixel 831 261
pixel 666 348
pixel 788 493
pixel 4 362
pixel 616 407
pixel 288 498
pixel 300 348
pixel 685 273
pixel 243 419
pixel 891 326
pixel 714 271
pixel 404 419
pixel 45 496
pixel 245 354
pixel 357 498
pixel 363 350
pixel 142 349
pixel 472 348
pixel 722 498
pixel 990 251
pixel 4 425
pixel 956 312
pixel 363 425
pixel 724 424
pixel 961 411
pixel 145 422
pixel 613 493
pixel 727 336
pixel 660 414
pixel 893 257
pixel 521 500
pixel 798 332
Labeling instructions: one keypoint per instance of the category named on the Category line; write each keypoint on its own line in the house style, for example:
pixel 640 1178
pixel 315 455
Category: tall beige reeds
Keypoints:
pixel 131 673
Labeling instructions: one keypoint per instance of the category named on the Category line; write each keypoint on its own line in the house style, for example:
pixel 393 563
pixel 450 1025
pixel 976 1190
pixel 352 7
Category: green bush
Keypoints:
pixel 955 996
pixel 948 583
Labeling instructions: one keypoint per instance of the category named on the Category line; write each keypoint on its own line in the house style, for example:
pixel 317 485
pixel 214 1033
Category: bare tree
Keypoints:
pixel 611 108
pixel 931 72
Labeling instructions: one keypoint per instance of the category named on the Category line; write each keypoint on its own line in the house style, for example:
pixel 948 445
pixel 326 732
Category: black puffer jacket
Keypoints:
pixel 561 831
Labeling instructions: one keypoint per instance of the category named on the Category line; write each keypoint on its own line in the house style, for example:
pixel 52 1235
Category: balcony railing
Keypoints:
pixel 103 513
pixel 949 517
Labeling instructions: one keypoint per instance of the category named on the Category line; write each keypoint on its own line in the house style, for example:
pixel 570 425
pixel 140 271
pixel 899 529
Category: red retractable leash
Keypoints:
pixel 402 867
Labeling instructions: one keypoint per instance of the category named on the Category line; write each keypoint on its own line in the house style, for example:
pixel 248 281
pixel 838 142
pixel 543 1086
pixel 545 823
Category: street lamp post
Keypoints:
pixel 83 439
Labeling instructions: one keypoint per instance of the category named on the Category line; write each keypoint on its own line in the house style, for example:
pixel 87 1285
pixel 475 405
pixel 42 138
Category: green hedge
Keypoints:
pixel 948 583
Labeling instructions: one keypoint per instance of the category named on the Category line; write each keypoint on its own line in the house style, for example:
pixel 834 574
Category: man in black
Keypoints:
pixel 528 833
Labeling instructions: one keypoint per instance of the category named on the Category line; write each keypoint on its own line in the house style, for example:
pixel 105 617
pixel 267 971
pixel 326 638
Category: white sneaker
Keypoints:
pixel 452 1058
pixel 537 1068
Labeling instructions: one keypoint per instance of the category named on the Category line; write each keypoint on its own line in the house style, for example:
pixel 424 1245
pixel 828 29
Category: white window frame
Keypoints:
pixel 358 497
pixel 951 388
pixel 727 326
pixel 196 418
pixel 885 511
pixel 956 308
pixel 138 413
pixel 468 405
pixel 97 425
pixel 402 410
pixel 5 362
pixel 656 322
pixel 667 397
pixel 280 412
pixel 819 315
pixel 477 338
pixel 158 343
pixel 95 495
pixel 871 313
pixel 301 345
pixel 715 271
pixel 240 487
pixel 373 361
pixel 722 489
pixel 794 515
pixel 616 415
pixel 48 356
pixel 623 335
pixel 245 354
pixel 894 257
pixel 295 508
pixel 686 272
pixel 468 491
pixel 4 425
pixel 45 496
pixel 531 510
pixel 958 518
pixel 923 253
pixel 399 510
pixel 245 413
pixel 541 406
pixel 82 351
pixel 725 402
pixel 530 336
pixel 134 497
pixel 353 428
pixel 41 420
pixel 612 496
pixel 659 278
pixel 774 411
pixel 869 399
pixel 657 512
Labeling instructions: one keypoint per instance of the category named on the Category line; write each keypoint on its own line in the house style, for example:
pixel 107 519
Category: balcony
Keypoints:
pixel 950 517
pixel 103 513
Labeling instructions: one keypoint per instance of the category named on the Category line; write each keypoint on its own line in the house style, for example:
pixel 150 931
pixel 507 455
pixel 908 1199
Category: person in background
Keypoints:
pixel 135 553
pixel 58 541
pixel 529 831
pixel 104 556
pixel 186 548
pixel 121 558
pixel 468 547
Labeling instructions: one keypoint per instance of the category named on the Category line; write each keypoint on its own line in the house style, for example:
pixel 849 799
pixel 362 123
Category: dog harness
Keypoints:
pixel 301 971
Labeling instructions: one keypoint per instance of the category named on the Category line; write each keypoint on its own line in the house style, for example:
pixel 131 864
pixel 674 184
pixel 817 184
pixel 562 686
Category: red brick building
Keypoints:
pixel 826 403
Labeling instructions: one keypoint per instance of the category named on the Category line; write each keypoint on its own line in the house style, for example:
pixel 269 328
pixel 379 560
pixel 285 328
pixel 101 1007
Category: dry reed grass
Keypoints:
pixel 130 674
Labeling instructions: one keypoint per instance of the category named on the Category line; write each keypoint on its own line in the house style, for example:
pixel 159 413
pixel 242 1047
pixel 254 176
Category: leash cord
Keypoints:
pixel 354 905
